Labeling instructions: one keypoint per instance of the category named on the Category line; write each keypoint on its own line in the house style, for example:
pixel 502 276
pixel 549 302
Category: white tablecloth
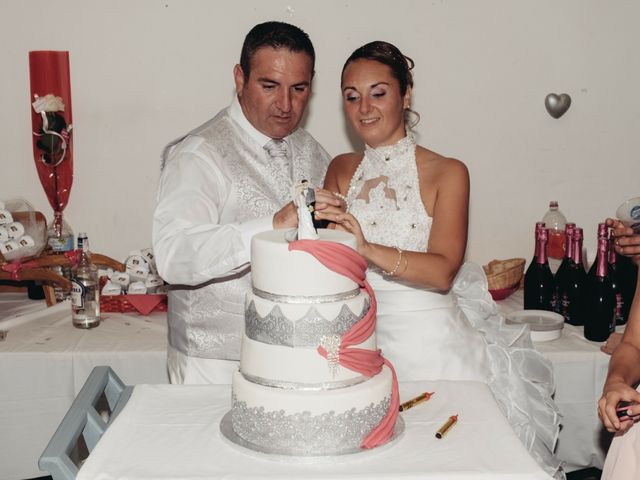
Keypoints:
pixel 172 432
pixel 12 304
pixel 44 361
pixel 580 370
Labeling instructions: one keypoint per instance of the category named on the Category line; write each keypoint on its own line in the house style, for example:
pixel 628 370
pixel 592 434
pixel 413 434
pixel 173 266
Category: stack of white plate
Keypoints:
pixel 544 325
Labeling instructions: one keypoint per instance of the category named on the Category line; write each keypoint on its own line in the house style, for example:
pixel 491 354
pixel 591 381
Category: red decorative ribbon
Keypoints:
pixel 15 267
pixel 73 256
pixel 346 261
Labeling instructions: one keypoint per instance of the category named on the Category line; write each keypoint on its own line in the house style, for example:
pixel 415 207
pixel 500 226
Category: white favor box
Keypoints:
pixel 152 283
pixel 25 241
pixel 5 216
pixel 15 229
pixel 138 274
pixel 9 246
pixel 147 253
pixel 136 260
pixel 111 288
pixel 121 279
pixel 136 288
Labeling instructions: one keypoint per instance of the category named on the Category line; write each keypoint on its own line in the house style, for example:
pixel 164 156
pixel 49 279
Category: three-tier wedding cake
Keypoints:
pixel 311 380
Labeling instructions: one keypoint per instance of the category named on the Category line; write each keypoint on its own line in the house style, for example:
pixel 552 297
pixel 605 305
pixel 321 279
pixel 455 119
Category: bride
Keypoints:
pixel 408 209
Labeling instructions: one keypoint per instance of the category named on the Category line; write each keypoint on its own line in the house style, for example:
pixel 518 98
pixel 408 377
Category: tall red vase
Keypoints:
pixel 52 126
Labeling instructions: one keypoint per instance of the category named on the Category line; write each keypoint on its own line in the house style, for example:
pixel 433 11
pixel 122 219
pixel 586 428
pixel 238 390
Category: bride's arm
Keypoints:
pixel 450 212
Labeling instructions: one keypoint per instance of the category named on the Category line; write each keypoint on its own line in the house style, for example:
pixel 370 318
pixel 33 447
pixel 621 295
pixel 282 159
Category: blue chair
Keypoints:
pixel 83 422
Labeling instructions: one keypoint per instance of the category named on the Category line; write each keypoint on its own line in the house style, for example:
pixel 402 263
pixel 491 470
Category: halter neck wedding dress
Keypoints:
pixel 456 335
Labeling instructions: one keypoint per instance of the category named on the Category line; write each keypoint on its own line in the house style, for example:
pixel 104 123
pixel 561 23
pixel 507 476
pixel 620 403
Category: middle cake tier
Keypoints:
pixel 288 334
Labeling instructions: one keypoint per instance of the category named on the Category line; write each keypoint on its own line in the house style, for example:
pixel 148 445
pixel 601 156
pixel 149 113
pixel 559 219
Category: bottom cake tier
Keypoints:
pixel 309 423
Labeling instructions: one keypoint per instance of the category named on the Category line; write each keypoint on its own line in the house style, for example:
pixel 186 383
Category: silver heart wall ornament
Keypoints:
pixel 557 105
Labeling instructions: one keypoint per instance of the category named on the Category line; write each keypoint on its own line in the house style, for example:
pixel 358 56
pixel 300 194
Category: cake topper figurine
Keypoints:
pixel 305 199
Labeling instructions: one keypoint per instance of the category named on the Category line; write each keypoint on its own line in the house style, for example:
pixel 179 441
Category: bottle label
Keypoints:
pixel 564 308
pixel 61 244
pixel 618 311
pixel 77 294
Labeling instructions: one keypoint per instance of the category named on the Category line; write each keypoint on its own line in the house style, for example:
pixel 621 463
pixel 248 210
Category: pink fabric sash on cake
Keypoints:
pixel 346 261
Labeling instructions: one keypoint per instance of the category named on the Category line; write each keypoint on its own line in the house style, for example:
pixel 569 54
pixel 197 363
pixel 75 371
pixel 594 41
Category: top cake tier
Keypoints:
pixel 277 271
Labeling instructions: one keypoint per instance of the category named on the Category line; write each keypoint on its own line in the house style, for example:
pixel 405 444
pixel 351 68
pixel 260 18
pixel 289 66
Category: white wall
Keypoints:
pixel 143 72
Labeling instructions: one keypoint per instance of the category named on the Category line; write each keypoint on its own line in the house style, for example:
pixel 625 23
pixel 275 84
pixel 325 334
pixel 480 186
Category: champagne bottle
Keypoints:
pixel 562 275
pixel 539 285
pixel 602 233
pixel 85 292
pixel 574 301
pixel 539 226
pixel 600 319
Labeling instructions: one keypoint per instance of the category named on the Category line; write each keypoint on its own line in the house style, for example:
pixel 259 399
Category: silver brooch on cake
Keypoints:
pixel 331 343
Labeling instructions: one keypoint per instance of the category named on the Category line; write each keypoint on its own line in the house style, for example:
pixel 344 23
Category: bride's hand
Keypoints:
pixel 345 222
pixel 325 199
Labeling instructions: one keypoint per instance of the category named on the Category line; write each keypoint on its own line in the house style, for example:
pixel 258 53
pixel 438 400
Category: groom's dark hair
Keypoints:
pixel 275 35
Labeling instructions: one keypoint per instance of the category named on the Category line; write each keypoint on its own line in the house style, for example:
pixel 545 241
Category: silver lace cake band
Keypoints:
pixel 303 433
pixel 297 299
pixel 299 386
pixel 309 331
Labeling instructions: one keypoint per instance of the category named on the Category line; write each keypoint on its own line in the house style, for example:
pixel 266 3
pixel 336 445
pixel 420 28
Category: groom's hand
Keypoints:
pixel 286 217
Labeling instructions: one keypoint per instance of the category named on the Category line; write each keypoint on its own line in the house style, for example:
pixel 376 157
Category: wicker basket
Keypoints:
pixel 503 274
pixel 142 304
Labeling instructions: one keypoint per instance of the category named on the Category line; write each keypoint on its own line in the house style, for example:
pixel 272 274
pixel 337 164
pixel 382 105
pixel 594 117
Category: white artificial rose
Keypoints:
pixel 48 103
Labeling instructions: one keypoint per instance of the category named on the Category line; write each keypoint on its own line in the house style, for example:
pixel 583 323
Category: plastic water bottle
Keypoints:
pixel 555 221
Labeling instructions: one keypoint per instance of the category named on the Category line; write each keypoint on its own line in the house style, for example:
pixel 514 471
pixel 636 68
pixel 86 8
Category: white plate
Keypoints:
pixel 544 325
pixel 629 213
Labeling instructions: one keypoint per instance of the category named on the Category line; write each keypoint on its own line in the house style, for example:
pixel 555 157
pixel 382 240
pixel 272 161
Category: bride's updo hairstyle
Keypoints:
pixel 400 65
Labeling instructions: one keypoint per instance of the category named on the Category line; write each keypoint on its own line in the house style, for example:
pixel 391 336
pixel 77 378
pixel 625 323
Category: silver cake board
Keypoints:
pixel 266 453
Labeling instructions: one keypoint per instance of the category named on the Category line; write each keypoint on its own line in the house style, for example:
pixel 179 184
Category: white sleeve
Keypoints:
pixel 190 244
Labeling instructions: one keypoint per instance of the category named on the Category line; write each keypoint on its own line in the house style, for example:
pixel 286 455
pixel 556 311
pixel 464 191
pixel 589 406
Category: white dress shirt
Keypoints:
pixel 218 188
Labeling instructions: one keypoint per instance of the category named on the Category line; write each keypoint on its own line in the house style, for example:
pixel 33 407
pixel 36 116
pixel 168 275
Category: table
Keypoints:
pixel 580 371
pixel 44 361
pixel 171 432
pixel 12 304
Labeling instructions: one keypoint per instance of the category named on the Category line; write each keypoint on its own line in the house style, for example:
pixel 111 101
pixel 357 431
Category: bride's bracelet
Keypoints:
pixel 344 199
pixel 397 265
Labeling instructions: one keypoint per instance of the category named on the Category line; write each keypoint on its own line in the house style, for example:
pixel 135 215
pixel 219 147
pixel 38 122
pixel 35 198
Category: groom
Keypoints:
pixel 224 182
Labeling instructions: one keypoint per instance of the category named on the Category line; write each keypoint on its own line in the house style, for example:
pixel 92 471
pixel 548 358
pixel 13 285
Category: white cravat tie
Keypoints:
pixel 278 150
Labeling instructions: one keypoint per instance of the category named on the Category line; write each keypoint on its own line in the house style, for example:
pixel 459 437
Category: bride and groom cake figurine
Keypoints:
pixel 312 381
pixel 304 197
